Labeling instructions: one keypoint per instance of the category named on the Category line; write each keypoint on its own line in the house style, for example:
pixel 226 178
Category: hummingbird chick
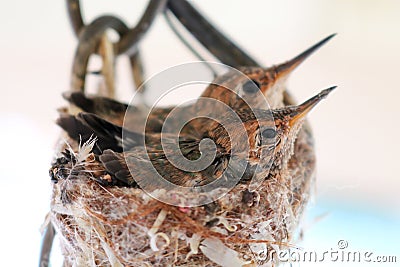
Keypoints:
pixel 114 153
pixel 250 87
pixel 270 135
pixel 261 88
pixel 238 90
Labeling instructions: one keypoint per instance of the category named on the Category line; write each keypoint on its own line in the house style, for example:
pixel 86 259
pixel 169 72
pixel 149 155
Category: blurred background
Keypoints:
pixel 356 128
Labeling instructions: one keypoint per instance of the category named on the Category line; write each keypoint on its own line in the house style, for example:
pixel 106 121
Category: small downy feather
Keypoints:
pixel 85 149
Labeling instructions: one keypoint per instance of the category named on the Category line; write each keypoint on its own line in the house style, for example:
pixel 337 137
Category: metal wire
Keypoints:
pixel 137 70
pixel 75 16
pixel 167 15
pixel 47 243
pixel 129 40
pixel 89 39
pixel 211 38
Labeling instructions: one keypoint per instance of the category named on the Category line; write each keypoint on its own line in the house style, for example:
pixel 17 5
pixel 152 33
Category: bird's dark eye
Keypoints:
pixel 251 86
pixel 268 133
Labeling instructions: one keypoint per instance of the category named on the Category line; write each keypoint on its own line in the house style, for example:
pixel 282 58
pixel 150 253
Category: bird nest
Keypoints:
pixel 120 226
pixel 105 217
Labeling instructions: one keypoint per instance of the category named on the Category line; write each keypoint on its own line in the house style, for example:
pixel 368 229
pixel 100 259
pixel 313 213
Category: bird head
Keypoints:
pixel 271 81
pixel 274 140
pixel 270 137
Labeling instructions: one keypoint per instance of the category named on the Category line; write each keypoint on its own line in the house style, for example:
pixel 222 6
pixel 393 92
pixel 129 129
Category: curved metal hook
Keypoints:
pixel 47 243
pixel 129 40
pixel 89 38
pixel 75 16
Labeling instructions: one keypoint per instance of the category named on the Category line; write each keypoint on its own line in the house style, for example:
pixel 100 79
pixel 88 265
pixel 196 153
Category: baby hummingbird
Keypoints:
pixel 253 87
pixel 246 88
pixel 270 82
pixel 270 135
